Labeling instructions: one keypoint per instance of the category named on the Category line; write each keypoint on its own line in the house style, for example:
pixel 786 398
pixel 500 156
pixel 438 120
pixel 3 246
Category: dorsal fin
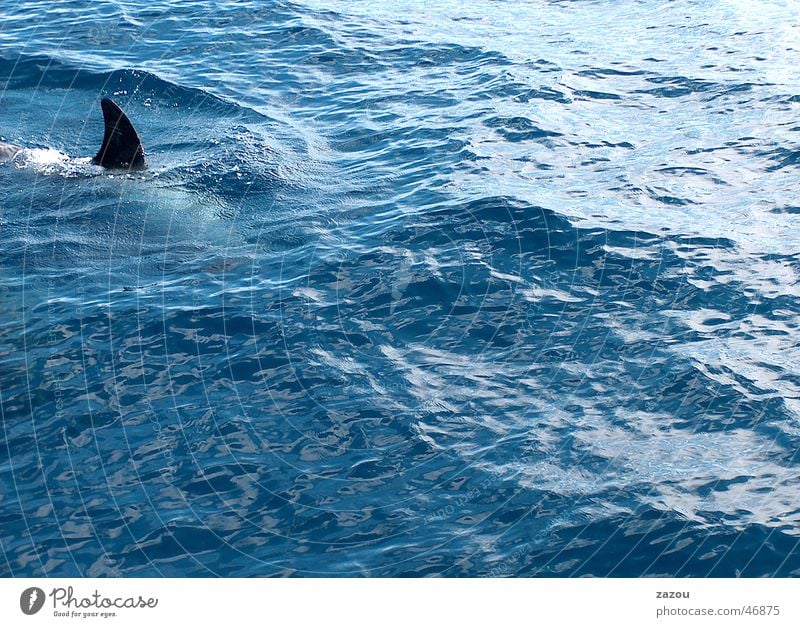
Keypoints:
pixel 121 147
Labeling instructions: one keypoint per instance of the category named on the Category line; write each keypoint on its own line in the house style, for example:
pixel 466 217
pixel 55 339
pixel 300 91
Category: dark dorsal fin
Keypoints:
pixel 121 146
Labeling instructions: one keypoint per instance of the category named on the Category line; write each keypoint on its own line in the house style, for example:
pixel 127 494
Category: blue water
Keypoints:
pixel 470 289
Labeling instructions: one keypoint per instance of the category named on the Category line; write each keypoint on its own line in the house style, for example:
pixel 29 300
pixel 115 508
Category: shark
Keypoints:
pixel 121 148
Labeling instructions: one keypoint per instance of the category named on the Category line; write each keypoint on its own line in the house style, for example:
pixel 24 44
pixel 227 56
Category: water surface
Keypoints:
pixel 476 289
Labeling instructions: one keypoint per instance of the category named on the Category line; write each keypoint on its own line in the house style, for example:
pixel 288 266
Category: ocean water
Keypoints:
pixel 409 289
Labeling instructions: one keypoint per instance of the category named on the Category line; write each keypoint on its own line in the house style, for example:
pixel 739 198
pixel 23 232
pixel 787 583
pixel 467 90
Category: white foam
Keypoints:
pixel 52 161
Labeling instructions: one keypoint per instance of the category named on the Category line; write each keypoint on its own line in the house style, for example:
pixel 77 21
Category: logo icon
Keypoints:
pixel 31 600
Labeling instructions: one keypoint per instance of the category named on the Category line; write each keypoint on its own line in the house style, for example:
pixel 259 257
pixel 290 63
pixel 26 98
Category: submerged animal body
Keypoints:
pixel 8 151
pixel 121 148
